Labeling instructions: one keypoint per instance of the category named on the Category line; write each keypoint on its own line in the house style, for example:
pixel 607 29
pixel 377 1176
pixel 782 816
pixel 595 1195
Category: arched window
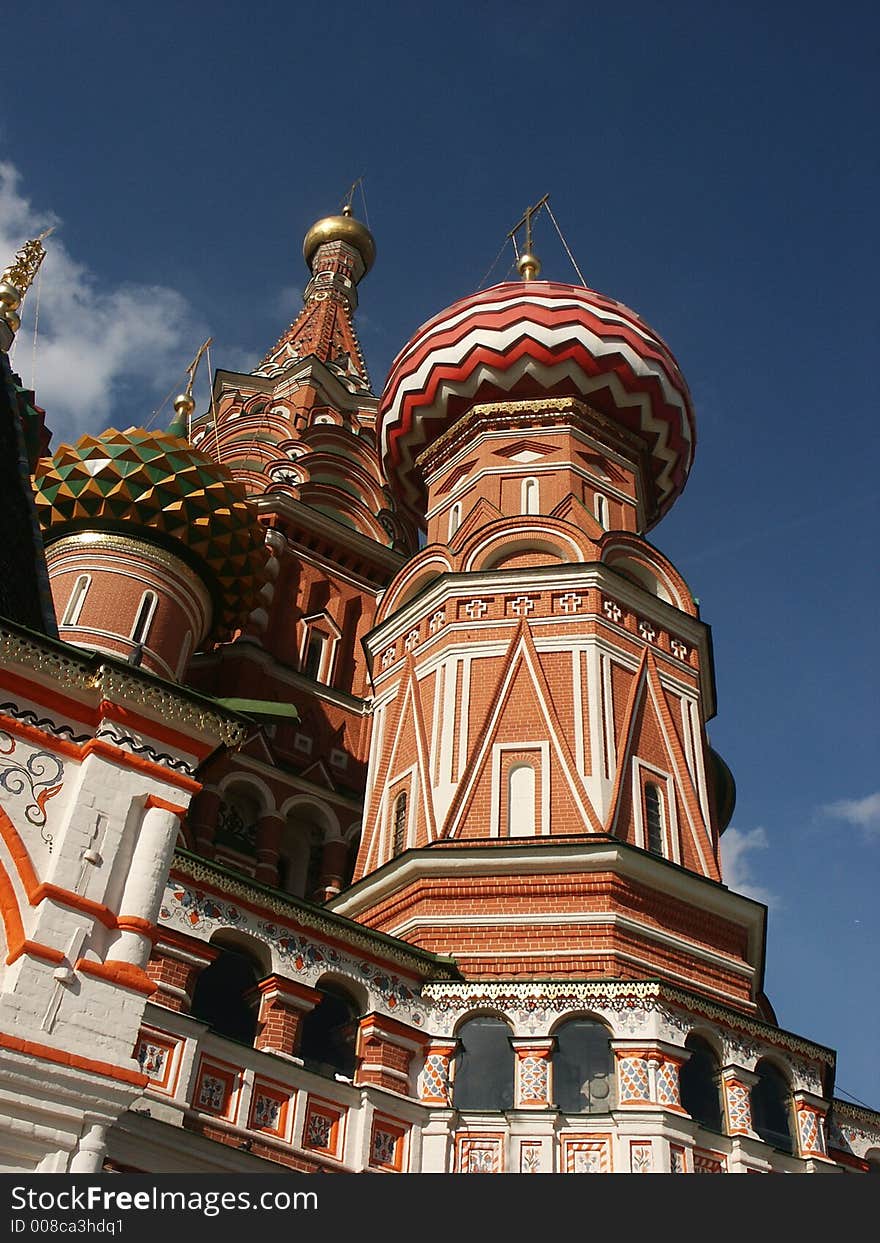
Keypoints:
pixel 521 801
pixel 221 996
pixel 301 854
pixel 583 1068
pixel 700 1094
pixel 602 511
pixel 399 824
pixel 531 497
pixel 77 600
pixel 771 1107
pixel 454 518
pixel 144 618
pixel 654 819
pixel 237 821
pixel 484 1066
pixel 328 1034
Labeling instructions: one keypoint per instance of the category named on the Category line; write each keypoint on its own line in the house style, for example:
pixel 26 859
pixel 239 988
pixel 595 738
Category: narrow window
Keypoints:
pixel 771 1107
pixel 601 511
pixel 76 601
pixel 653 819
pixel 521 801
pixel 399 833
pixel 314 656
pixel 531 497
pixel 144 617
pixel 699 1084
pixel 454 518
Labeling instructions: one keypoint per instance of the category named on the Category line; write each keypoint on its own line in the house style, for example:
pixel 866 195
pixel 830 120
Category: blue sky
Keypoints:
pixel 713 166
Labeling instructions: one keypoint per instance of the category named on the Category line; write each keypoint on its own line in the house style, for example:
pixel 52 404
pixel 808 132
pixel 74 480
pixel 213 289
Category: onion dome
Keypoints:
pixel 342 228
pixel 532 339
pixel 175 496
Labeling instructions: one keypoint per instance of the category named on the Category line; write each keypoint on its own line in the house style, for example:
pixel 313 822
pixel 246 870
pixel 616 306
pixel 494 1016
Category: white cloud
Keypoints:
pixel 737 846
pixel 862 812
pixel 93 339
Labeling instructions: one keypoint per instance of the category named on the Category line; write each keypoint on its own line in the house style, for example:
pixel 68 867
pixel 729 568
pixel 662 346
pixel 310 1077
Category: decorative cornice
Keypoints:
pixel 302 913
pixel 71 670
pixel 168 706
pixel 844 1111
pixel 545 410
pixel 621 995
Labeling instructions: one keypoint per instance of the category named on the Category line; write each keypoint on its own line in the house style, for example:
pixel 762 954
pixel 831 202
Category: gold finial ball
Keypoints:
pixel 528 266
pixel 184 405
pixel 10 298
pixel 342 228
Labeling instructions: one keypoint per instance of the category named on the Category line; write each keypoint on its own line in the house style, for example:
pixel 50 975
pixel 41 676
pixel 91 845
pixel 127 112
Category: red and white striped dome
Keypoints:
pixel 522 340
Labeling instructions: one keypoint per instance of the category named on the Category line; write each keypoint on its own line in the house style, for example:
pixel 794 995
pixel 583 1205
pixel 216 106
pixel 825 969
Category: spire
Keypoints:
pixel 339 251
pixel 17 279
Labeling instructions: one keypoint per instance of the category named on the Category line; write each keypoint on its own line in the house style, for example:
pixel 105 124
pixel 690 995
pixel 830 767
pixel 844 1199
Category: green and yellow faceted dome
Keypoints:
pixel 175 496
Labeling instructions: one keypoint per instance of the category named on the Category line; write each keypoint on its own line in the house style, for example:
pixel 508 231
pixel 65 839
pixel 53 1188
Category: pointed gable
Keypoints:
pixel 521 724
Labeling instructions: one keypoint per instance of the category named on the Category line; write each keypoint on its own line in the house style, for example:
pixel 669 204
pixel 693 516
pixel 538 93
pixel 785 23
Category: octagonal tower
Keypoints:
pixel 542 799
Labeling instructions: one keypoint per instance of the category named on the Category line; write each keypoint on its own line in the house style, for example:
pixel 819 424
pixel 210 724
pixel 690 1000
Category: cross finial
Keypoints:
pixel 184 404
pixel 347 207
pixel 528 263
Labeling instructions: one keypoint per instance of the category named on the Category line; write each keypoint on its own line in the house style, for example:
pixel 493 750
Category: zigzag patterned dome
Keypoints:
pixel 178 497
pixel 521 340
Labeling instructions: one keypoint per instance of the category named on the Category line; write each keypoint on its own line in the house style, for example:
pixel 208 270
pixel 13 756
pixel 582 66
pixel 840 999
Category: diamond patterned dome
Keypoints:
pixel 178 497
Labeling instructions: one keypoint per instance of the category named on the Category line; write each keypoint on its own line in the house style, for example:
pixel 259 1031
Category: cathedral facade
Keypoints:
pixel 357 809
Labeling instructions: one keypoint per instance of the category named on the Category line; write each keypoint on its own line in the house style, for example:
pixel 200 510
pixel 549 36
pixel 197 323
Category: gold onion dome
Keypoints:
pixel 175 496
pixel 342 228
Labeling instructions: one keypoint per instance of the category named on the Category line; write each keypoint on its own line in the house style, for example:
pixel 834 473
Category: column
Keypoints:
pixel 89 1155
pixel 435 1079
pixel 175 967
pixel 385 1050
pixel 334 859
pixel 810 1114
pixel 269 829
pixel 534 1071
pixel 282 1006
pixel 145 884
pixel 736 1084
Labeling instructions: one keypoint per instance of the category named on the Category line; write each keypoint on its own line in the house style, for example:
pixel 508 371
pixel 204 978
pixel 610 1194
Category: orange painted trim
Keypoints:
pixel 107 750
pixel 20 856
pixel 64 897
pixel 40 738
pixel 48 697
pixel 124 974
pixel 10 912
pixel 31 1048
pixel 134 923
pixel 145 725
pixel 167 776
pixel 35 950
pixel 153 800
